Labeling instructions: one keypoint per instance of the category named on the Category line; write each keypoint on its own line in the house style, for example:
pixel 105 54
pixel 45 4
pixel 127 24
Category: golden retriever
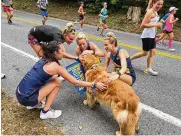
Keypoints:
pixel 119 96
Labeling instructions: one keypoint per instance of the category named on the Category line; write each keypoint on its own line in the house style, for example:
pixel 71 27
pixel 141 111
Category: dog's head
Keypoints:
pixel 88 61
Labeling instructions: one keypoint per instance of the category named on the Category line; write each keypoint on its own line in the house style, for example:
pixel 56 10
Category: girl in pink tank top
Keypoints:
pixel 168 29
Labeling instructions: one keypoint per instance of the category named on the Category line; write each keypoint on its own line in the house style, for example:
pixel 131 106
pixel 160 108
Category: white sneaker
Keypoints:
pixel 3 75
pixel 76 22
pixel 171 49
pixel 151 72
pixel 51 114
pixel 61 78
pixel 38 106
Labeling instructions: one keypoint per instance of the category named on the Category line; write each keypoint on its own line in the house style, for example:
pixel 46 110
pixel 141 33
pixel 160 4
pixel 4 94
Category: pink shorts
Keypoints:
pixel 32 40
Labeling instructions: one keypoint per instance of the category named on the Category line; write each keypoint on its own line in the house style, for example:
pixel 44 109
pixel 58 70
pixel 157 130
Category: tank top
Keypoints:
pixel 104 13
pixel 150 32
pixel 117 60
pixel 168 26
pixel 34 79
pixel 43 4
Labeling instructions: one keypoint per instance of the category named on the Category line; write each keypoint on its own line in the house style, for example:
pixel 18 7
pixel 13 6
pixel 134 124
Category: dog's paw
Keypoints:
pixel 118 133
pixel 85 102
pixel 137 130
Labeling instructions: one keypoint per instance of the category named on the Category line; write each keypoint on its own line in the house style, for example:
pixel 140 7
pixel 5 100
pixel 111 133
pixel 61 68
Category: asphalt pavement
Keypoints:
pixel 162 92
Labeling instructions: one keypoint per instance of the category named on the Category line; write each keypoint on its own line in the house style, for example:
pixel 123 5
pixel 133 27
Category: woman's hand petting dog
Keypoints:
pixel 87 52
pixel 113 76
pixel 101 86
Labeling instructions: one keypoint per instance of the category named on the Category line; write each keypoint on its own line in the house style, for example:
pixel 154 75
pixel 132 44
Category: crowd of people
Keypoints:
pixel 42 81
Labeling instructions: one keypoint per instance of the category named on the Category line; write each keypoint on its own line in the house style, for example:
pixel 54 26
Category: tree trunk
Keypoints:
pixel 136 14
pixel 129 13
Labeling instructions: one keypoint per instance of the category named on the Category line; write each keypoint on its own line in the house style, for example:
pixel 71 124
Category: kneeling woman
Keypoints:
pixel 84 46
pixel 123 69
pixel 42 81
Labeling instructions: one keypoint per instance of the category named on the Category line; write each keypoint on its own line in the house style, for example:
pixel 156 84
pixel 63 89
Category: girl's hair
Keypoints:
pixel 49 50
pixel 80 36
pixel 150 3
pixel 69 29
pixel 111 37
pixel 105 3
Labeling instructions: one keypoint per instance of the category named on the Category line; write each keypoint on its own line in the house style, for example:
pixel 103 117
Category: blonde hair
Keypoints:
pixel 111 37
pixel 69 28
pixel 80 36
pixel 150 3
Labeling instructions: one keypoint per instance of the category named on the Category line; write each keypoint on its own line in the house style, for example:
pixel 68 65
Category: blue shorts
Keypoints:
pixel 44 12
pixel 31 100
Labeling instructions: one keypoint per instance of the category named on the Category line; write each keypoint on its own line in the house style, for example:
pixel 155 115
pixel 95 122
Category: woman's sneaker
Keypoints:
pixel 38 106
pixel 50 114
pixel 171 49
pixel 151 72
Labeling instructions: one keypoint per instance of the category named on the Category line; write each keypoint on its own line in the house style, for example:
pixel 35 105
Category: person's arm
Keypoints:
pixel 100 15
pixel 171 19
pixel 122 57
pixel 67 55
pixel 38 3
pixel 80 10
pixel 63 72
pixel 146 20
pixel 107 61
pixel 94 51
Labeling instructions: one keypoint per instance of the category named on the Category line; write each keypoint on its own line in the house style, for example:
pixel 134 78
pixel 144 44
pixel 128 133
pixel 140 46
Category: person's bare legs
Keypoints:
pixel 126 78
pixel 49 91
pixel 139 55
pixel 150 58
pixel 44 20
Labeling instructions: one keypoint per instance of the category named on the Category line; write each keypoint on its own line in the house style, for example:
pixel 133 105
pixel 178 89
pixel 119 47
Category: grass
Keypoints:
pixel 17 120
pixel 68 11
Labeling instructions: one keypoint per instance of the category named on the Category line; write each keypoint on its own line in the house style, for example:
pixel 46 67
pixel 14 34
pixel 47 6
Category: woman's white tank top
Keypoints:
pixel 150 32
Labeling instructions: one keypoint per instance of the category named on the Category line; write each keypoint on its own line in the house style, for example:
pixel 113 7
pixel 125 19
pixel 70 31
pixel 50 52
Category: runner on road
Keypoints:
pixel 150 23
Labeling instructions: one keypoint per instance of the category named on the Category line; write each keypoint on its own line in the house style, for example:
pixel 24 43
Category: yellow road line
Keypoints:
pixel 101 39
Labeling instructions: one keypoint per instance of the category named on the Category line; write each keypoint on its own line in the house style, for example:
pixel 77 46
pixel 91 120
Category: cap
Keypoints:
pixel 172 8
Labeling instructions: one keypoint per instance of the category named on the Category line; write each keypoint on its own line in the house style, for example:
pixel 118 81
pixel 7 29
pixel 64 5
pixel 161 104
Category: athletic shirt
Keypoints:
pixel 150 32
pixel 47 33
pixel 104 13
pixel 34 79
pixel 116 60
pixel 88 47
pixel 6 2
pixel 168 26
pixel 43 4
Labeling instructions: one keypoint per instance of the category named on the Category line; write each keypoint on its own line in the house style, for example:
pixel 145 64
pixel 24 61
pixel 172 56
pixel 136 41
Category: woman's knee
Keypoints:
pixel 144 53
pixel 152 52
pixel 56 81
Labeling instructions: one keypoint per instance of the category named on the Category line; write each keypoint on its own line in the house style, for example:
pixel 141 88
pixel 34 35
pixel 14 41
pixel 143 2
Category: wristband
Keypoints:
pixel 77 59
pixel 119 73
pixel 93 87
